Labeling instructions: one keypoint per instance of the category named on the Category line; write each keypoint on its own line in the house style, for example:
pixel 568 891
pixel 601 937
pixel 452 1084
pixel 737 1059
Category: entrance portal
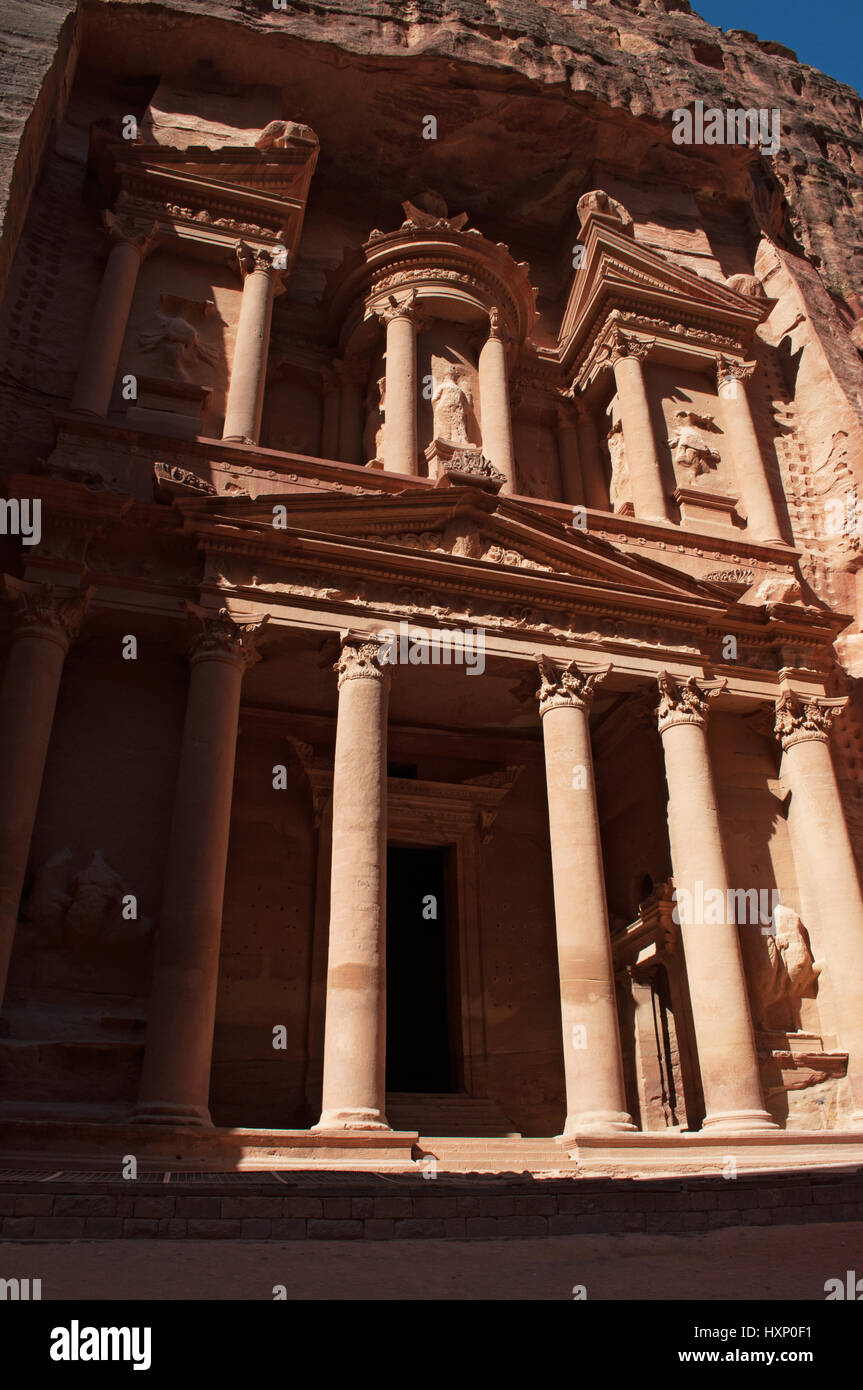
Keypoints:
pixel 419 968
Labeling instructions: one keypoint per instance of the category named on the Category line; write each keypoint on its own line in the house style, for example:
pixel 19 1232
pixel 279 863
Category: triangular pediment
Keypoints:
pixel 621 273
pixel 445 527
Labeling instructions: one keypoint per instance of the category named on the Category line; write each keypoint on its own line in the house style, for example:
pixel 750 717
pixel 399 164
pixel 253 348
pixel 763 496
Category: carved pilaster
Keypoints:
pixel 800 718
pixel 566 685
pixel 687 702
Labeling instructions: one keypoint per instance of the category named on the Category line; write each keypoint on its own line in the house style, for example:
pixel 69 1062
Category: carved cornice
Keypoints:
pixel 801 718
pixel 566 685
pixel 687 702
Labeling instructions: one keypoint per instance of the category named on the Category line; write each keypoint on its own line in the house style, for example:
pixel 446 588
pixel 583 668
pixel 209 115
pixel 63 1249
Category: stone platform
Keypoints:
pixel 59 1205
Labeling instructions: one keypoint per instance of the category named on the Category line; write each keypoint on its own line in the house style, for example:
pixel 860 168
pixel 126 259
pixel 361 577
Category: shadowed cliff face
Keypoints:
pixel 533 92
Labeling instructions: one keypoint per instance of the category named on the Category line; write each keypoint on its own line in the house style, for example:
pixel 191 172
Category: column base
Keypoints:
pixel 739 1122
pixel 352 1119
pixel 166 1113
pixel 598 1122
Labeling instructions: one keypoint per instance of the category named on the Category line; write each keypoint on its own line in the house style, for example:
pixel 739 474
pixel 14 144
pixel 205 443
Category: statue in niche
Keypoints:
pixel 452 401
pixel 786 972
pixel 178 342
pixel 620 489
pixel 691 449
pixel 375 412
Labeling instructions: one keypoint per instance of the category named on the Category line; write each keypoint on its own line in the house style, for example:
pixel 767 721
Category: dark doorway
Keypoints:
pixel 419 1036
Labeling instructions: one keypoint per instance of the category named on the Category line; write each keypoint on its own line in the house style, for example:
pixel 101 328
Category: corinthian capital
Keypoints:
pixel 799 718
pixel 406 308
pixel 362 658
pixel 622 344
pixel 732 369
pixel 218 636
pixel 40 608
pixel 566 685
pixel 687 702
pixel 126 228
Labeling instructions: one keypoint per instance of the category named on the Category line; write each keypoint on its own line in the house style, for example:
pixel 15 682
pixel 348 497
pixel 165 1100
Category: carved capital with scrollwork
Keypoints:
pixel 800 718
pixel 362 658
pixel 40 610
pixel 732 369
pixel 124 228
pixel 566 685
pixel 219 637
pixel 685 702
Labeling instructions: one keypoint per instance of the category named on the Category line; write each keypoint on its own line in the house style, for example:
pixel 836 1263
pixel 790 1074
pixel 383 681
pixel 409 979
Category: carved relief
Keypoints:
pixel 691 449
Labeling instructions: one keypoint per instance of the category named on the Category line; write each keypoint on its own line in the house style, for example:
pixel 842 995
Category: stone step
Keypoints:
pixel 449 1114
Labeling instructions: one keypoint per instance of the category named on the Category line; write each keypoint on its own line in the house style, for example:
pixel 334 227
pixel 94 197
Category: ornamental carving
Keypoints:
pixel 731 369
pixel 40 606
pixel 686 702
pixel 361 660
pixel 566 685
pixel 802 718
pixel 691 449
pixel 452 404
pixel 220 636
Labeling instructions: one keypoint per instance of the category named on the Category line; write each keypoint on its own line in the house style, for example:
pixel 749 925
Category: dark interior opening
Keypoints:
pixel 419 1052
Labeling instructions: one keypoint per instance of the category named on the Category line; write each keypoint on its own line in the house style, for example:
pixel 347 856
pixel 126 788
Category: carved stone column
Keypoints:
pixel 497 443
pixel 330 421
pixel 45 625
pixel 354 1088
pixel 648 494
pixel 400 418
pixel 571 480
pixel 595 491
pixel 175 1080
pixel 755 494
pixel 824 860
pixel 724 1037
pixel 100 356
pixel 595 1096
pixel 352 373
pixel 249 367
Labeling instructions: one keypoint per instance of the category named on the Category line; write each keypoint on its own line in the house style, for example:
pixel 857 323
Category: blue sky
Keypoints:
pixel 826 33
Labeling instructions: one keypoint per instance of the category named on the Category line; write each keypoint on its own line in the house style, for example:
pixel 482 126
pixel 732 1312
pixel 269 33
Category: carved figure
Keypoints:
pixel 691 449
pixel 179 343
pixel 620 490
pixel 451 401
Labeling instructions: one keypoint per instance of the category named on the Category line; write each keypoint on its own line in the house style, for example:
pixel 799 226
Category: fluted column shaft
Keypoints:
pixel 595 1096
pixel 825 864
pixel 755 494
pixel 497 440
pixel 249 366
pixel 103 344
pixel 354 1085
pixel 175 1079
pixel 649 501
pixel 45 626
pixel 724 1035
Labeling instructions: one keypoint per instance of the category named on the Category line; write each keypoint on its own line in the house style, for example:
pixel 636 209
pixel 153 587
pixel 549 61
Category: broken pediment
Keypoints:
pixel 621 277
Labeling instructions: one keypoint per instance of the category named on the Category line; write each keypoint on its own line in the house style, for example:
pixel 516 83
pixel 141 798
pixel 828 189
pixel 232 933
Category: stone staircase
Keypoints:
pixel 466 1134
